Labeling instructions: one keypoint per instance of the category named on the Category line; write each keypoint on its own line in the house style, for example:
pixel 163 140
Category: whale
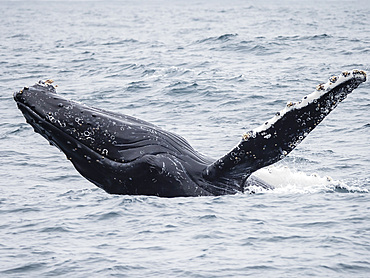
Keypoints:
pixel 125 155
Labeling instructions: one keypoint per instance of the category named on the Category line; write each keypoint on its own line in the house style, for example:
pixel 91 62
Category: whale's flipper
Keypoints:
pixel 278 136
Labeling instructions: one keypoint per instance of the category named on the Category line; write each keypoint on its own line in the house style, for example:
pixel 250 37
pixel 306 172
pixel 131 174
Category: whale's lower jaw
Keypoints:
pixel 124 155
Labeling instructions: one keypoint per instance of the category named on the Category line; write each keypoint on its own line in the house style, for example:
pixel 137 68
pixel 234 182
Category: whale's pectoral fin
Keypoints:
pixel 276 138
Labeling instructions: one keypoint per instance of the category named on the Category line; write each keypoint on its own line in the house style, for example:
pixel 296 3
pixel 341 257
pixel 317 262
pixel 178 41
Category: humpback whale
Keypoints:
pixel 125 155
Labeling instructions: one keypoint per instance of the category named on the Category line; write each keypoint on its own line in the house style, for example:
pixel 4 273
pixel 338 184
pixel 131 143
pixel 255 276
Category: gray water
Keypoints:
pixel 209 71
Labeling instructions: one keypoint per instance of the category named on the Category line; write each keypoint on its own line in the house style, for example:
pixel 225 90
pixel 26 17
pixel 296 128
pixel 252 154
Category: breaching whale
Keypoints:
pixel 125 155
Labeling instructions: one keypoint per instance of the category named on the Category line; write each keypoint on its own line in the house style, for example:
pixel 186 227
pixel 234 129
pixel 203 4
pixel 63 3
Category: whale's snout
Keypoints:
pixel 36 93
pixel 18 96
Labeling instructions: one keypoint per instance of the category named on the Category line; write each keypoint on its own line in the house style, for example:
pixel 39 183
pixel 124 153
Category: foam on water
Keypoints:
pixel 288 181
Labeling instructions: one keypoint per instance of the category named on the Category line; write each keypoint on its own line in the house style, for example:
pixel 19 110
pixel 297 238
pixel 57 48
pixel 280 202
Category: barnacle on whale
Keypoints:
pixel 320 87
pixel 333 79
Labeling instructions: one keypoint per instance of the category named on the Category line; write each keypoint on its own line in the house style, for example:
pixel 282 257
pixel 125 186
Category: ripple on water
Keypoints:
pixel 26 269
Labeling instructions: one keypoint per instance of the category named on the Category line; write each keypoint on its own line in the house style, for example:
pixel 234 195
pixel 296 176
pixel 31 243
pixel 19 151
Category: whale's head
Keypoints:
pixel 107 148
pixel 72 127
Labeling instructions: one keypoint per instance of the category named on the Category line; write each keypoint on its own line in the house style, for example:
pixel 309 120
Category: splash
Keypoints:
pixel 285 180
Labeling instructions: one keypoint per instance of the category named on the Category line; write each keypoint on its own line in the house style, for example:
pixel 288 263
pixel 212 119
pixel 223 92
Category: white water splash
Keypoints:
pixel 286 180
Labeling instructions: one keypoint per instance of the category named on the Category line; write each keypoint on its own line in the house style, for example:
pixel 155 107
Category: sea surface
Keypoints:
pixel 209 71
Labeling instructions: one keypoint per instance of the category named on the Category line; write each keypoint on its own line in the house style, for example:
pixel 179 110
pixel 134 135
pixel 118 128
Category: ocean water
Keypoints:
pixel 209 71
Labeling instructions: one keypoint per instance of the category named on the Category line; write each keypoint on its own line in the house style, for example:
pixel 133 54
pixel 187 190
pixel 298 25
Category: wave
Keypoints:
pixel 303 38
pixel 120 42
pixel 222 38
pixel 26 268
